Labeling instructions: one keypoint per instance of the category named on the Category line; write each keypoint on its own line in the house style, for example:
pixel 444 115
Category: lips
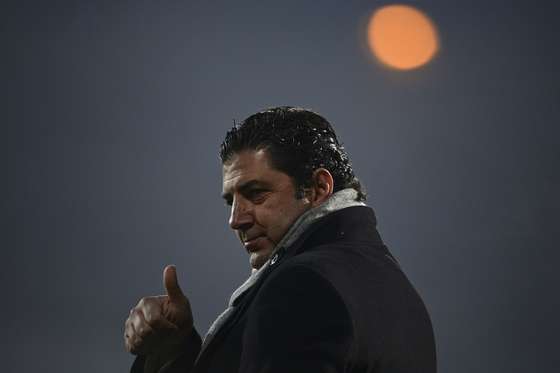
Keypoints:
pixel 252 244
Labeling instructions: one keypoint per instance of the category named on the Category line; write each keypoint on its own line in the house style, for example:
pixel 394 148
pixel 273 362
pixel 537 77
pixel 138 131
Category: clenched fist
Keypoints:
pixel 159 324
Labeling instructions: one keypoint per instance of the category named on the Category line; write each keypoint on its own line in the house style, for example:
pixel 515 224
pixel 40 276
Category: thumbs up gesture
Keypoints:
pixel 159 324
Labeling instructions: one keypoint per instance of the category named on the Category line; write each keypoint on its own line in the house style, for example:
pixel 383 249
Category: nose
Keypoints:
pixel 241 218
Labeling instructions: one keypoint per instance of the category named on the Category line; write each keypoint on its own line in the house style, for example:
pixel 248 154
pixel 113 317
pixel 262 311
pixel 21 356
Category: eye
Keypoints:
pixel 256 195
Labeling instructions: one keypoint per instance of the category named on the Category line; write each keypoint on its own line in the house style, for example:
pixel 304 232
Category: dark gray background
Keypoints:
pixel 113 113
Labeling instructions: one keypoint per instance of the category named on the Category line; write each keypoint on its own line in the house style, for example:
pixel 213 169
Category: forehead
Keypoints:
pixel 246 166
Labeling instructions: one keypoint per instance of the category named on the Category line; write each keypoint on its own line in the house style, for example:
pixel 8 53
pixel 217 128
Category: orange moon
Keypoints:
pixel 402 37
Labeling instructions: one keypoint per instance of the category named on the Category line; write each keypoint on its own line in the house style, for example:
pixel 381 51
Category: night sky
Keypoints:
pixel 113 113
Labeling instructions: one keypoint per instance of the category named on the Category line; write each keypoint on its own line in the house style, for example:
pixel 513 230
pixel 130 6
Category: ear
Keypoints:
pixel 322 188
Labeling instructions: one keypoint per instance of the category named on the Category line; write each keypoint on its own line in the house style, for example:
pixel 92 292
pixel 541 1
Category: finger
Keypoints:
pixel 128 329
pixel 141 335
pixel 171 284
pixel 138 322
pixel 162 323
pixel 151 307
pixel 131 338
pixel 153 313
pixel 128 333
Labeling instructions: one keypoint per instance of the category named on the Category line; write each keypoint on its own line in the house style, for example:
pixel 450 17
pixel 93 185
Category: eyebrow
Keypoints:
pixel 245 187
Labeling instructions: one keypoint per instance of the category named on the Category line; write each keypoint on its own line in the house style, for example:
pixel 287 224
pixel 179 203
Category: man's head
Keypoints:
pixel 277 164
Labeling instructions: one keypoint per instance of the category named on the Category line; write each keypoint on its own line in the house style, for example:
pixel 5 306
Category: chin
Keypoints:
pixel 257 260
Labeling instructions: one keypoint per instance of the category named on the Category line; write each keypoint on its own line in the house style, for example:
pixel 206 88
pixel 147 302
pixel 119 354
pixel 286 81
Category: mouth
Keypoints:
pixel 252 244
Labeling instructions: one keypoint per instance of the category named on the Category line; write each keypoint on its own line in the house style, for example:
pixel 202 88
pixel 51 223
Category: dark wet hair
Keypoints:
pixel 298 141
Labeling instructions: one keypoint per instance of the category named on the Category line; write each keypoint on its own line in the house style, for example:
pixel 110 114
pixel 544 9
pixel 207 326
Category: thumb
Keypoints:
pixel 171 285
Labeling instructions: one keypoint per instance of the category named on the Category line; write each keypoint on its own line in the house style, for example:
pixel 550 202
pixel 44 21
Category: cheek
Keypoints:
pixel 282 220
pixel 276 217
pixel 272 218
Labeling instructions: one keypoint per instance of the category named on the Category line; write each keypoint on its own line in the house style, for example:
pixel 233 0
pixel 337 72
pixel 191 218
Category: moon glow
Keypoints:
pixel 402 37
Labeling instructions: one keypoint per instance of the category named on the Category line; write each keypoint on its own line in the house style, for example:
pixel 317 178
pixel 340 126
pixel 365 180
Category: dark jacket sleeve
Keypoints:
pixel 298 323
pixel 181 364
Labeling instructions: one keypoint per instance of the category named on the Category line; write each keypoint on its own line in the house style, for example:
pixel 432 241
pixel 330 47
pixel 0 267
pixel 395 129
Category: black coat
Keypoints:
pixel 335 301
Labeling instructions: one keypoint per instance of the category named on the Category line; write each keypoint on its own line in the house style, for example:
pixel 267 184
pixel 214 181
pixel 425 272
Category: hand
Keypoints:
pixel 159 324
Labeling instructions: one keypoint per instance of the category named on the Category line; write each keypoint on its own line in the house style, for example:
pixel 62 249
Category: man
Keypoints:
pixel 325 294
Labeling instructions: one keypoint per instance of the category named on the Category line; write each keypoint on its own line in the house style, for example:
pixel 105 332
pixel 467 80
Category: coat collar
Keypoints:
pixel 355 224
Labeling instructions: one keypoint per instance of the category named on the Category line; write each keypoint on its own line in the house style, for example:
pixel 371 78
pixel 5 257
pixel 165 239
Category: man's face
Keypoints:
pixel 263 203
